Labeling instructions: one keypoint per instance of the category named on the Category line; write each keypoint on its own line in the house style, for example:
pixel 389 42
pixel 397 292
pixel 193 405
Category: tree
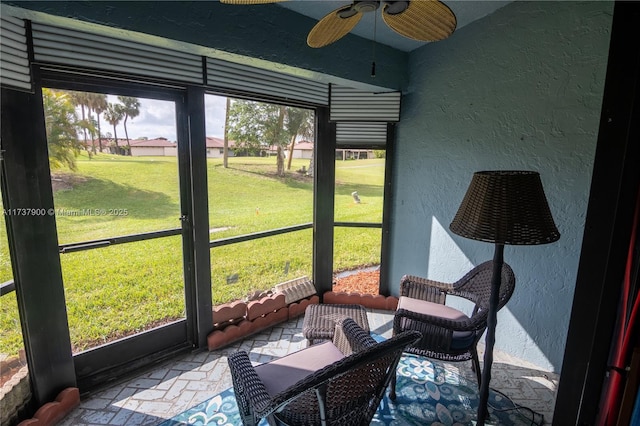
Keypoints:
pixel 225 151
pixel 81 99
pixel 278 132
pixel 98 103
pixel 257 126
pixel 298 122
pixel 114 114
pixel 130 108
pixel 62 126
pixel 88 124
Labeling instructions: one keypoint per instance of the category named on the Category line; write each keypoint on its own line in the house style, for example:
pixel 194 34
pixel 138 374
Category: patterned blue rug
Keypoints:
pixel 428 394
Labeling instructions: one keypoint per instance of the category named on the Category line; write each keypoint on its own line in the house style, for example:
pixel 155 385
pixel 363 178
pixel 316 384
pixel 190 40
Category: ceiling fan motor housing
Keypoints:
pixel 356 7
pixel 395 7
pixel 364 6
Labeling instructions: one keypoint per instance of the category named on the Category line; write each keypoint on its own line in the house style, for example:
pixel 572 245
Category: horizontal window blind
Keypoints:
pixel 14 70
pixel 348 104
pixel 349 134
pixel 248 79
pixel 91 50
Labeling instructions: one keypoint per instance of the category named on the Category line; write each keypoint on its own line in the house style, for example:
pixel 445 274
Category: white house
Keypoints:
pixel 160 147
pixel 302 149
pixel 215 147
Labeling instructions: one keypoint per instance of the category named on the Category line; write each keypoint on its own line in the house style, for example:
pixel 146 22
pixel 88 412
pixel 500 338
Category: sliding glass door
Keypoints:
pixel 118 170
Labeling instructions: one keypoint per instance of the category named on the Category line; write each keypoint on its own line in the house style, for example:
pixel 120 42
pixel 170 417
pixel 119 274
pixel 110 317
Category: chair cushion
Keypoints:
pixel 284 372
pixel 459 339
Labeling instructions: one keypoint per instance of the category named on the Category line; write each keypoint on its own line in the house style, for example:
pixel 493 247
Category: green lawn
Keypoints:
pixel 5 261
pixel 117 290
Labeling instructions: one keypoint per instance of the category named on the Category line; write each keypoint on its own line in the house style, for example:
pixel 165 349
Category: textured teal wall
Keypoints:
pixel 520 89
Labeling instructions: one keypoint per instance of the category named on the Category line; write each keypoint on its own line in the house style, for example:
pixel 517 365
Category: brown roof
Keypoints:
pixel 159 142
pixel 213 142
pixel 304 146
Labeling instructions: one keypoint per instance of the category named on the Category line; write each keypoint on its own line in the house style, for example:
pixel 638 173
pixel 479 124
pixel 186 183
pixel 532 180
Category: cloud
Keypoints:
pixel 158 119
pixel 215 109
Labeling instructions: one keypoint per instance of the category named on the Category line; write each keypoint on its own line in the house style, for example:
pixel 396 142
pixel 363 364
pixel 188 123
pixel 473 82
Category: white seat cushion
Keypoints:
pixel 459 339
pixel 430 308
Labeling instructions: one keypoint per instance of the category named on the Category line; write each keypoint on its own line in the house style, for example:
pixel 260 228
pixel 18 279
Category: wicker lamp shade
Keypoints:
pixel 505 207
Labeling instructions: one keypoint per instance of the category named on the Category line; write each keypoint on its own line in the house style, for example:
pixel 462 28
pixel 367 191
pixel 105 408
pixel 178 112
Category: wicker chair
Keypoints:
pixel 331 383
pixel 447 333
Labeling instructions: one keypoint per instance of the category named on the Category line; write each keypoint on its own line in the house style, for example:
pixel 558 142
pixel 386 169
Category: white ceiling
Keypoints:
pixel 465 11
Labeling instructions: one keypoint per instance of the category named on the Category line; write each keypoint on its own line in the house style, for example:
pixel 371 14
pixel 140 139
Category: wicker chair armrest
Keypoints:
pixel 454 325
pixel 425 289
pixel 250 391
pixel 349 337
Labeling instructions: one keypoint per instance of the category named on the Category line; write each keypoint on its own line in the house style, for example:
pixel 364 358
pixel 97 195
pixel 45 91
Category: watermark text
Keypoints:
pixel 66 212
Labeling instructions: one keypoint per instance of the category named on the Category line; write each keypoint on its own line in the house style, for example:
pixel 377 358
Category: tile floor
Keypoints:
pixel 168 389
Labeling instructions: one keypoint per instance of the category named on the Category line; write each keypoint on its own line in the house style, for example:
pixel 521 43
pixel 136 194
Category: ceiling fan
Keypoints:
pixel 422 20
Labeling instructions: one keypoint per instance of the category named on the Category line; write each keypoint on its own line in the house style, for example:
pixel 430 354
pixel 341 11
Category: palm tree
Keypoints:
pixel 114 114
pixel 98 103
pixel 62 126
pixel 299 122
pixel 81 99
pixel 131 108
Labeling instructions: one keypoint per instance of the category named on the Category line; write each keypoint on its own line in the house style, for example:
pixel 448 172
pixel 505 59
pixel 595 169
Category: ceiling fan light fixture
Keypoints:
pixel 365 6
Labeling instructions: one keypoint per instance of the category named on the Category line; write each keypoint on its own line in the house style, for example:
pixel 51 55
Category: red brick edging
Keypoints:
pixel 236 320
pixel 52 412
pixel 388 303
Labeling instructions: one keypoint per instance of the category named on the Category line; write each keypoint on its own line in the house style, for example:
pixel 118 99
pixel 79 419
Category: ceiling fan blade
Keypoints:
pixel 423 20
pixel 332 27
pixel 250 1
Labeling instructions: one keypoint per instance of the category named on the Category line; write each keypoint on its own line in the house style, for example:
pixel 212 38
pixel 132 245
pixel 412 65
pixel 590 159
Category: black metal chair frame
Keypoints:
pixel 437 332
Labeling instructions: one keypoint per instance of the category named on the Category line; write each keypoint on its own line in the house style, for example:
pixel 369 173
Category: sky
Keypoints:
pixel 158 119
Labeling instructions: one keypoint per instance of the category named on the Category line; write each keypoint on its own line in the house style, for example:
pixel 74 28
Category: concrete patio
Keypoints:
pixel 161 392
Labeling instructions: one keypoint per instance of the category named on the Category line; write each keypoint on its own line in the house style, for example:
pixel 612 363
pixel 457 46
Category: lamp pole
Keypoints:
pixel 502 207
pixel 492 320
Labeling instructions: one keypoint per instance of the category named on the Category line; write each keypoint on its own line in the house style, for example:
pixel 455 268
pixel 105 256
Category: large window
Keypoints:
pixel 260 195
pixel 114 171
pixel 359 202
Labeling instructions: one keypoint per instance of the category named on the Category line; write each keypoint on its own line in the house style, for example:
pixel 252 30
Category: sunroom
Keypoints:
pixel 544 86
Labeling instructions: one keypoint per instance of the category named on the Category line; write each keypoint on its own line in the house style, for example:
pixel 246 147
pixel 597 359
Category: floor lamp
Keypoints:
pixel 502 207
